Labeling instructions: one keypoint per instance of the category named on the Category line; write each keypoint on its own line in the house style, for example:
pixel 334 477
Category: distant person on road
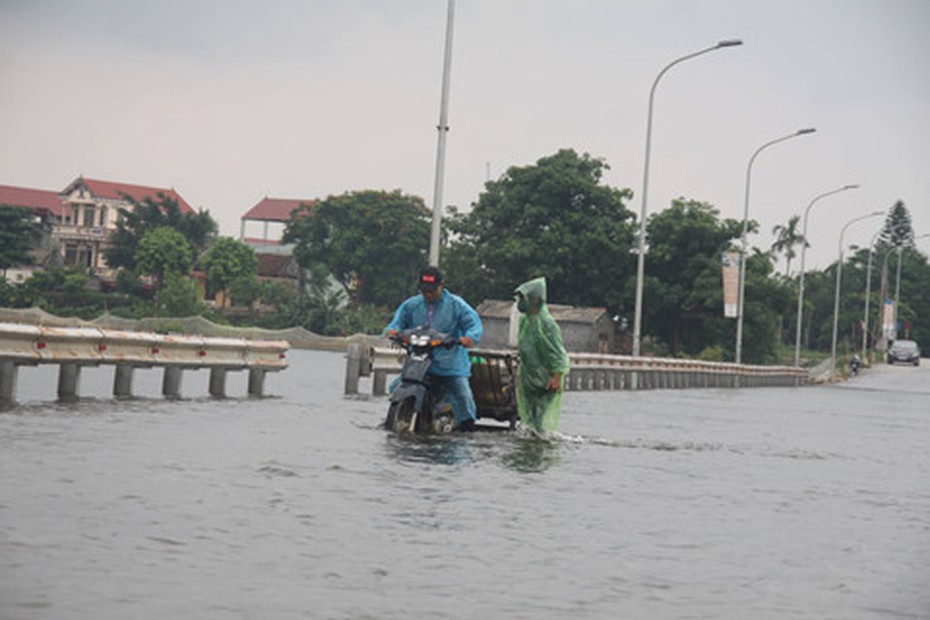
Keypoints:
pixel 439 309
pixel 543 360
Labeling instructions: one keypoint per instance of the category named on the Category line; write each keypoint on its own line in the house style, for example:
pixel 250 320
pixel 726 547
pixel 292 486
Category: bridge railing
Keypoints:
pixel 75 347
pixel 593 371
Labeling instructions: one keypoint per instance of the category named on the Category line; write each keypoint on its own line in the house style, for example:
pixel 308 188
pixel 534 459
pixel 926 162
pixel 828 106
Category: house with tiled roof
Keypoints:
pixel 90 212
pixel 588 330
pixel 80 218
pixel 46 206
pixel 273 215
pixel 44 203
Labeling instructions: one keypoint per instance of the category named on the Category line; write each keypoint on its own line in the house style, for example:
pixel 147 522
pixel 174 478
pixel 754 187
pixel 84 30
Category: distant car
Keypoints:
pixel 905 351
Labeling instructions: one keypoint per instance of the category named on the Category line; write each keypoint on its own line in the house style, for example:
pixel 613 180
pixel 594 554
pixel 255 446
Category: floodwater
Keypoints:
pixel 755 503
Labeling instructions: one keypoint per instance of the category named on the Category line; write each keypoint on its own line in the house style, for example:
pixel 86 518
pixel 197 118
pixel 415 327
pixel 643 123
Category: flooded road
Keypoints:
pixel 756 503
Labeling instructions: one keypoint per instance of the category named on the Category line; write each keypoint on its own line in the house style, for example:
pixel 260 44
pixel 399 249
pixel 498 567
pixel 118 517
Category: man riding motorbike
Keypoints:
pixel 445 312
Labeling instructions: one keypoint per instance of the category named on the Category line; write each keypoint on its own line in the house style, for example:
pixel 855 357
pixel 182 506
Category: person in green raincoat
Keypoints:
pixel 543 360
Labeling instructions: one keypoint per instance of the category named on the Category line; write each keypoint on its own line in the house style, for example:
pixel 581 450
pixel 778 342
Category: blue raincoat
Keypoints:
pixel 451 315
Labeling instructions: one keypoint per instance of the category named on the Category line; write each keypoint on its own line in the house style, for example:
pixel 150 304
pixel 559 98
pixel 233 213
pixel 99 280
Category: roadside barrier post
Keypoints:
pixel 122 381
pixel 256 381
pixel 218 382
pixel 171 382
pixel 353 367
pixel 69 376
pixel 8 371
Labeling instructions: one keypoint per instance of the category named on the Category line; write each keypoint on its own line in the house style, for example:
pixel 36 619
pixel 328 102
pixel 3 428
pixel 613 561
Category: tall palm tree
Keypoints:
pixel 787 238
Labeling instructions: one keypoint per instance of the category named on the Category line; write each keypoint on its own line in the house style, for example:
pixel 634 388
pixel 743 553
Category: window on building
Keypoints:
pixel 89 217
pixel 71 252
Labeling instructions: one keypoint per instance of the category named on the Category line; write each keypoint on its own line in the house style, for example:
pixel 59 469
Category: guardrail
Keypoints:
pixel 591 371
pixel 75 347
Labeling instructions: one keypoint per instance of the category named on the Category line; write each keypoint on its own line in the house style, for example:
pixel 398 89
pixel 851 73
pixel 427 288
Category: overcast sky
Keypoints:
pixel 230 101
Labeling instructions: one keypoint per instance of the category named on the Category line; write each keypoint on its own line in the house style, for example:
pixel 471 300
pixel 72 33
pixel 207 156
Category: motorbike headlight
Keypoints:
pixel 419 340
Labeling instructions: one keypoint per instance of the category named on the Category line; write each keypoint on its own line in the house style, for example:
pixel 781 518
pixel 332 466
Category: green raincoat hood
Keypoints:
pixel 535 293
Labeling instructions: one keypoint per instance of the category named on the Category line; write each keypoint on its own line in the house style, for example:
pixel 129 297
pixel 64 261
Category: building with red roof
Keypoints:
pixel 273 214
pixel 44 203
pixel 81 217
pixel 90 212
pixel 82 190
pixel 46 206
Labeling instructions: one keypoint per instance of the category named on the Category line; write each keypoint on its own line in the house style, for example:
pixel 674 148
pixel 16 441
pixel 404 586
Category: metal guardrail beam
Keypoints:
pixel 593 371
pixel 74 347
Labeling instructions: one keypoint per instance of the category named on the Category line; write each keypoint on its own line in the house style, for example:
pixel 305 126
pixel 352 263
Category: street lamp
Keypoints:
pixel 868 287
pixel 641 258
pixel 742 266
pixel 839 275
pixel 443 129
pixel 897 287
pixel 797 337
pixel 884 295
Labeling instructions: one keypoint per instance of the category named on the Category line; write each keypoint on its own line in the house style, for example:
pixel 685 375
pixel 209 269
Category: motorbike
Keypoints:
pixel 854 365
pixel 417 403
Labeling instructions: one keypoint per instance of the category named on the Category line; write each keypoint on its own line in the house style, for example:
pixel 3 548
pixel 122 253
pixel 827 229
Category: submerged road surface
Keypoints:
pixel 760 503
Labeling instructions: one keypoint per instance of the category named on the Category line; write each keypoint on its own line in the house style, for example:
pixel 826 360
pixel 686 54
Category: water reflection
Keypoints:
pixel 532 454
pixel 435 449
pixel 522 452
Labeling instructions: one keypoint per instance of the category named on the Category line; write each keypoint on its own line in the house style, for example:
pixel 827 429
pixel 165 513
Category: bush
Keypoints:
pixel 711 354
pixel 179 296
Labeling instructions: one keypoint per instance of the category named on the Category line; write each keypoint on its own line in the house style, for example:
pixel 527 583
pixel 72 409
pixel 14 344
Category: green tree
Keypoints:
pixel 228 260
pixel 18 236
pixel 914 304
pixel 276 294
pixel 372 242
pixel 44 287
pixel 768 300
pixel 683 303
pixel 897 234
pixel 898 231
pixel 161 252
pixel 787 237
pixel 178 296
pixel 199 229
pixel 554 219
pixel 244 290
pixel 8 294
pixel 64 292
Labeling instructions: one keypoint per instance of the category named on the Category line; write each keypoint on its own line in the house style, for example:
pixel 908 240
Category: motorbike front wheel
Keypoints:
pixel 402 417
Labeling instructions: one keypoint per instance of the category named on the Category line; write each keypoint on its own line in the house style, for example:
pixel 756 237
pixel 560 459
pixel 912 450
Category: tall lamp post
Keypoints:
pixel 742 266
pixel 641 257
pixel 868 292
pixel 839 276
pixel 884 295
pixel 443 129
pixel 797 336
pixel 897 286
pixel 868 289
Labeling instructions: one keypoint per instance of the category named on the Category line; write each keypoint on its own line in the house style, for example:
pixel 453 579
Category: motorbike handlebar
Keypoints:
pixel 437 339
